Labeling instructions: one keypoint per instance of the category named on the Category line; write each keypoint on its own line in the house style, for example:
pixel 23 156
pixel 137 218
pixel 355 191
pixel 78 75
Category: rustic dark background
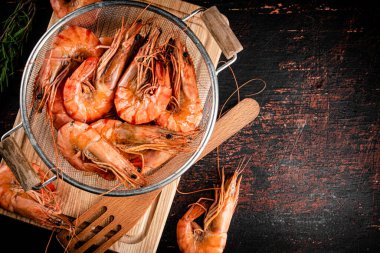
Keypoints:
pixel 313 182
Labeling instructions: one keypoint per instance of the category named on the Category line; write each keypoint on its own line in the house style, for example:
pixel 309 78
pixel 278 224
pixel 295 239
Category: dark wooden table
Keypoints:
pixel 313 181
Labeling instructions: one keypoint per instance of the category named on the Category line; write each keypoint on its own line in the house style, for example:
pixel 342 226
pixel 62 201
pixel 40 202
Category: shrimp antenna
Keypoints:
pixel 196 191
pixel 243 164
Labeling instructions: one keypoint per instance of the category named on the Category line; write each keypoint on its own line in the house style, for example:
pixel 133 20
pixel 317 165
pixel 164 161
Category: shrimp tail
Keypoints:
pixel 188 231
pixel 196 210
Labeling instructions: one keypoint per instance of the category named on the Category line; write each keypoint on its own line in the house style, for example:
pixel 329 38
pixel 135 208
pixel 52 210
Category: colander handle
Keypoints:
pixel 220 29
pixel 17 162
pixel 218 26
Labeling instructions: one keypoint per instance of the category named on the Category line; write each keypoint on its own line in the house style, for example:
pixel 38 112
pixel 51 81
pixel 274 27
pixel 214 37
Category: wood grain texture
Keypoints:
pixel 232 122
pixel 18 163
pixel 221 32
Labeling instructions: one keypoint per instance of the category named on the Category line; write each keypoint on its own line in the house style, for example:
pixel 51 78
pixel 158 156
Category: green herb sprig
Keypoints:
pixel 15 32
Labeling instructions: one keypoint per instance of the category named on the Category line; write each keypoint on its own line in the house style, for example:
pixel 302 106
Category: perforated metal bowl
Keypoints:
pixel 104 18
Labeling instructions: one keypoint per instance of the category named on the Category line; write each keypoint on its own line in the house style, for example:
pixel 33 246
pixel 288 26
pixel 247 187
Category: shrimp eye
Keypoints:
pixel 39 96
pixel 169 136
pixel 139 169
pixel 133 176
pixel 185 54
pixel 137 37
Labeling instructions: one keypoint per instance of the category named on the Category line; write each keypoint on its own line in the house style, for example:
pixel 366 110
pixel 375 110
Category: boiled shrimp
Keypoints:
pixel 76 140
pixel 106 40
pixel 118 132
pixel 63 7
pixel 89 92
pixel 146 146
pixel 40 206
pixel 144 90
pixel 188 113
pixel 75 157
pixel 70 47
pixel 78 83
pixel 147 161
pixel 153 159
pixel 56 109
pixel 192 238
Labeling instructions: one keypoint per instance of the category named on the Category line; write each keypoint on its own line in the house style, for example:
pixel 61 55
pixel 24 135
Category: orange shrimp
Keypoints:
pixel 187 115
pixel 153 159
pixel 72 45
pixel 79 83
pixel 118 132
pixel 75 157
pixel 212 237
pixel 144 91
pixel 41 206
pixel 146 146
pixel 76 139
pixel 106 40
pixel 148 160
pixel 86 102
pixel 63 7
pixel 56 110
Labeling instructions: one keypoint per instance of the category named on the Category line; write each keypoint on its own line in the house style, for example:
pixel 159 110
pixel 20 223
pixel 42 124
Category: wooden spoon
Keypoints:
pixel 112 217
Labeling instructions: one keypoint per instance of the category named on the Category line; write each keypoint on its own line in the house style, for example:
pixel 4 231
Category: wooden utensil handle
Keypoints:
pixel 19 165
pixel 232 122
pixel 221 31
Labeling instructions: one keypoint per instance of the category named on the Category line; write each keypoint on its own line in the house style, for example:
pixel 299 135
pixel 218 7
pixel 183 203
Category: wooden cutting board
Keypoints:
pixel 145 236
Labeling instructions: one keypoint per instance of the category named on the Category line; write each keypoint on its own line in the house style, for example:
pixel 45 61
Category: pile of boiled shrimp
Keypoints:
pixel 122 106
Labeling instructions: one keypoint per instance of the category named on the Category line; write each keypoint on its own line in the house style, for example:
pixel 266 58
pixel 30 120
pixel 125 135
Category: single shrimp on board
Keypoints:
pixel 76 140
pixel 70 47
pixel 89 92
pixel 188 112
pixel 63 7
pixel 192 238
pixel 144 90
pixel 40 206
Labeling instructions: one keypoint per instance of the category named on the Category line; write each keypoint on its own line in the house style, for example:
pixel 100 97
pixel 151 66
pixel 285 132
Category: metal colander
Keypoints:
pixel 104 18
